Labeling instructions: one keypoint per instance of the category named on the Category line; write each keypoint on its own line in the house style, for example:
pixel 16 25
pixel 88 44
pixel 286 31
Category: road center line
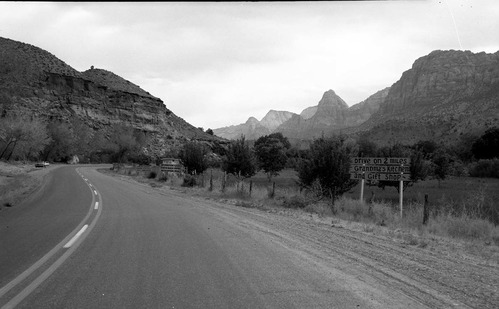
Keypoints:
pixel 95 192
pixel 96 205
pixel 75 238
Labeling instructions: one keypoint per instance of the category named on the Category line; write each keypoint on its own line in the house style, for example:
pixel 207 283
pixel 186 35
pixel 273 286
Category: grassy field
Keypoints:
pixel 454 190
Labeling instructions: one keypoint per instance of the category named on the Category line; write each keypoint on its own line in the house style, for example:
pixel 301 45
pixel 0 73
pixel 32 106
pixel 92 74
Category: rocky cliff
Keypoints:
pixel 33 81
pixel 444 95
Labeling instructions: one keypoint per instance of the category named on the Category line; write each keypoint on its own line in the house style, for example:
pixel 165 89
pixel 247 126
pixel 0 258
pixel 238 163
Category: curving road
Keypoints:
pixel 141 248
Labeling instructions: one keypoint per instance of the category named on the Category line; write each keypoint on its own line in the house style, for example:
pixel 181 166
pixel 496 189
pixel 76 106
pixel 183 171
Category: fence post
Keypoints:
pixel 426 210
pixel 224 178
pixel 211 180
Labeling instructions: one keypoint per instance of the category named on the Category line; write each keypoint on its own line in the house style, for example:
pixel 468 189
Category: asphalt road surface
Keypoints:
pixel 140 248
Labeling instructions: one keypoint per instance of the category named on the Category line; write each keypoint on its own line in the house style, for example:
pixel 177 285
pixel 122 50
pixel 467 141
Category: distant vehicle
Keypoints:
pixel 42 164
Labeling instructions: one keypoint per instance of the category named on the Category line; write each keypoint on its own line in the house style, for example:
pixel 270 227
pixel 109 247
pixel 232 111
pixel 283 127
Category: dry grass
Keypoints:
pixel 449 219
pixel 16 183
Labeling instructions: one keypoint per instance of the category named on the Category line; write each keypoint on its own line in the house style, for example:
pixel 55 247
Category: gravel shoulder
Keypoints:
pixel 435 273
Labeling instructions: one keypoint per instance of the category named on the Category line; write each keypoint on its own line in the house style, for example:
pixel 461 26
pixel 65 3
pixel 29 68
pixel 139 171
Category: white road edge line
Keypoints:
pixel 75 238
pixel 96 205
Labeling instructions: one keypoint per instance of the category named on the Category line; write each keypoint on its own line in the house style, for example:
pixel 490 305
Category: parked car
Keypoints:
pixel 42 164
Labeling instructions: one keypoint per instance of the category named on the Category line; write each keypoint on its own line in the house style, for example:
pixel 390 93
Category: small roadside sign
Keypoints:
pixel 381 169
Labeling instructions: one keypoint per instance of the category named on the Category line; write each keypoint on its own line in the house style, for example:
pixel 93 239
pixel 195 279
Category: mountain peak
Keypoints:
pixel 274 118
pixel 252 120
pixel 331 99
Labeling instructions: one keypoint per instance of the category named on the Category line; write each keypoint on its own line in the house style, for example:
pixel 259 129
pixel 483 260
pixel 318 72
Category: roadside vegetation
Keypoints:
pixel 461 181
pixel 461 197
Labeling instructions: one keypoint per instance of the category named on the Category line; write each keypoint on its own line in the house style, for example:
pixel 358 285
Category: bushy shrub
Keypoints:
pixel 189 181
pixel 163 177
pixel 485 168
pixel 461 227
pixel 295 201
pixel 151 175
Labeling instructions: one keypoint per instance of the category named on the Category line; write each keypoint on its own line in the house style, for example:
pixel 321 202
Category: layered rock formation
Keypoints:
pixel 33 81
pixel 444 95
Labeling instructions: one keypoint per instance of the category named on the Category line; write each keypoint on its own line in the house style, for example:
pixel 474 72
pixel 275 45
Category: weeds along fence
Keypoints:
pixel 146 170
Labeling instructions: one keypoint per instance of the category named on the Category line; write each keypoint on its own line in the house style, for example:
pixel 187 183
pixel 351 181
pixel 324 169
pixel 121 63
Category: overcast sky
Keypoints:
pixel 216 64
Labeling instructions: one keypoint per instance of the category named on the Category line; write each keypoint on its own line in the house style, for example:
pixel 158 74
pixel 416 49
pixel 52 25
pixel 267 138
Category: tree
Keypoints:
pixel 487 146
pixel 427 148
pixel 367 148
pixel 123 142
pixel 82 135
pixel 22 137
pixel 11 132
pixel 328 165
pixel 35 140
pixel 441 161
pixel 271 151
pixel 61 146
pixel 240 160
pixel 209 131
pixel 193 156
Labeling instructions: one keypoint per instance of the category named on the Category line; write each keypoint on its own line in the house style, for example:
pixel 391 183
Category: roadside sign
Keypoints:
pixel 381 169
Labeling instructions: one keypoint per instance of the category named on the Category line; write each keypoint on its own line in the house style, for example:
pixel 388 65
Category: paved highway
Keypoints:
pixel 140 248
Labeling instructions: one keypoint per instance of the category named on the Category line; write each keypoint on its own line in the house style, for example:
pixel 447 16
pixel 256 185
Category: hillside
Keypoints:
pixel 33 81
pixel 445 95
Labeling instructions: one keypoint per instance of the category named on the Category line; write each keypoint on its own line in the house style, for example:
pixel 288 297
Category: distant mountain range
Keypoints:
pixel 444 95
pixel 35 82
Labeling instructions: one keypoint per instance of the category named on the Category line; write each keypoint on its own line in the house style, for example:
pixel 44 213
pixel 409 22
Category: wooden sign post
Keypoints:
pixel 381 169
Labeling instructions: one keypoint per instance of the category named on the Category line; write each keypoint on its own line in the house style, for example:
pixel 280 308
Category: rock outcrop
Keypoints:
pixel 33 81
pixel 444 95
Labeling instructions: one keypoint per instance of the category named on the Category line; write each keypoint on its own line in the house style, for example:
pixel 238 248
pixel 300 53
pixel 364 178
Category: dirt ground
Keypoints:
pixel 18 181
pixel 436 272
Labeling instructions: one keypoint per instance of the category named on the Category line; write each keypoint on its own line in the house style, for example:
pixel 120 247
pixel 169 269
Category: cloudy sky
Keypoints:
pixel 215 64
